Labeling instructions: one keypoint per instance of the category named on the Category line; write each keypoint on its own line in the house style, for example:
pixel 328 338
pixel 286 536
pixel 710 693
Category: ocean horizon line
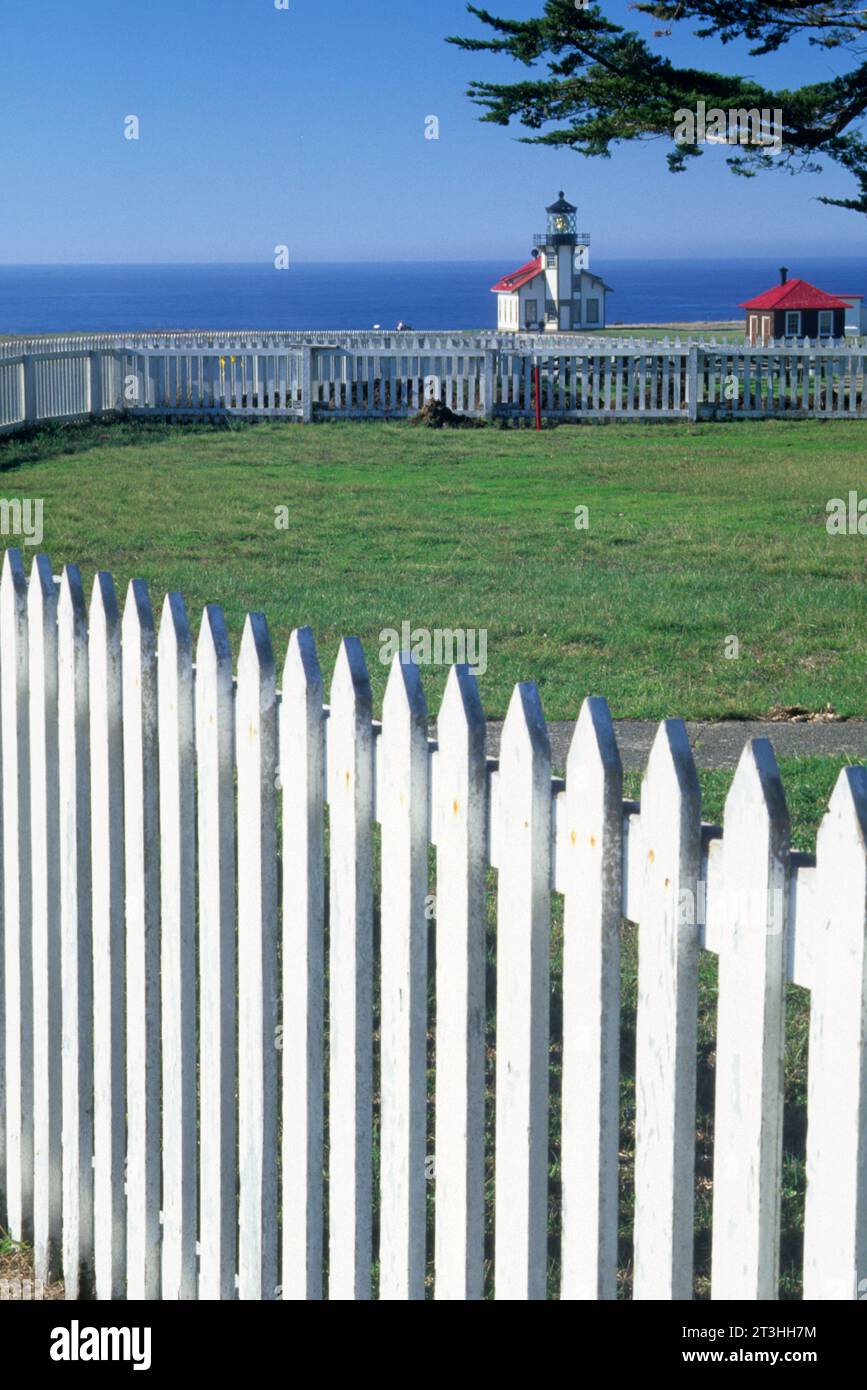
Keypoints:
pixel 457 260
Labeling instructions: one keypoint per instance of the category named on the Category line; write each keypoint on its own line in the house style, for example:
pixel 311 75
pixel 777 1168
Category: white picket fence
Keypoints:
pixel 185 1117
pixel 357 376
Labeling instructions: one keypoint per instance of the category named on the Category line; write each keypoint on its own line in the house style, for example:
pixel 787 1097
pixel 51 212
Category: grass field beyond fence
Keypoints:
pixel 696 535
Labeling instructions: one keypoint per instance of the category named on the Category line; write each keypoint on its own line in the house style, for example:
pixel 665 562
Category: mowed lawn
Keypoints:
pixel 696 535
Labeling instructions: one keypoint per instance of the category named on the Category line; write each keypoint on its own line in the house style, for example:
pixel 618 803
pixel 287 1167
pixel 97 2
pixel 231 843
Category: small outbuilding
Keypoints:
pixel 794 309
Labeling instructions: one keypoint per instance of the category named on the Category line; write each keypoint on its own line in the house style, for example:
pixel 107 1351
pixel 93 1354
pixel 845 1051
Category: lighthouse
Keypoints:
pixel 554 292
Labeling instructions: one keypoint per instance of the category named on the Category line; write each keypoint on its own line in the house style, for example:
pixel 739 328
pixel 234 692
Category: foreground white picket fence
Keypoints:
pixel 369 376
pixel 164 894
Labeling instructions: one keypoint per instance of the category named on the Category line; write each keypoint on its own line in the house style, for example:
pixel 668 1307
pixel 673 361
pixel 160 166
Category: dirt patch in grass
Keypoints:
pixel 437 416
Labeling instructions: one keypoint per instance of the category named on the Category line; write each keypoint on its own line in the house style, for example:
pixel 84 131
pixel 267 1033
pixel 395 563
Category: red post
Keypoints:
pixel 538 401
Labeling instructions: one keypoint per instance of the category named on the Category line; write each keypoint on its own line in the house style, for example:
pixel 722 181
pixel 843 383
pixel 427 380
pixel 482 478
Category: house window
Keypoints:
pixel 793 324
pixel 592 310
pixel 826 323
pixel 550 259
pixel 531 311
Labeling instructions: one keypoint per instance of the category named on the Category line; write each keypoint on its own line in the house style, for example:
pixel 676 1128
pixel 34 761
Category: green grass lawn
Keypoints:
pixel 697 534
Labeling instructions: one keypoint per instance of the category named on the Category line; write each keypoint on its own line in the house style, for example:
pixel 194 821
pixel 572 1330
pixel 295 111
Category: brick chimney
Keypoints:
pixel 784 274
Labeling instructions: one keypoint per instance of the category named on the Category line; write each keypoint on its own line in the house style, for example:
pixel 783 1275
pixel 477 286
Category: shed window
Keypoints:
pixel 826 323
pixel 793 323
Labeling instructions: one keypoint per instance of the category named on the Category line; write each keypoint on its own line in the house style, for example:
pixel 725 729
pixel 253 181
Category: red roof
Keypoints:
pixel 520 277
pixel 794 294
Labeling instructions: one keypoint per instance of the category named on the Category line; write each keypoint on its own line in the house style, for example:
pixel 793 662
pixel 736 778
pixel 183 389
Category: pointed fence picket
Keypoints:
pixel 665 1049
pixel 590 875
pixel 141 858
pixel 178 949
pixel 350 1111
pixel 403 803
pixel 17 890
pixel 835 1219
pixel 215 754
pixel 108 935
pixel 748 1121
pixel 302 779
pixel 256 737
pixel 45 855
pixel 76 942
pixel 522 859
pixel 142 797
pixel 459 829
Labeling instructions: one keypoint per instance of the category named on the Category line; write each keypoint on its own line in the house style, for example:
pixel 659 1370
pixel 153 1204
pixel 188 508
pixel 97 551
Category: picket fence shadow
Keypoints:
pixel 189 875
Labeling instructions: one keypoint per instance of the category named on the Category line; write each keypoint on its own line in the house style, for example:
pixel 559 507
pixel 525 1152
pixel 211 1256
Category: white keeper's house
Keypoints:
pixel 555 291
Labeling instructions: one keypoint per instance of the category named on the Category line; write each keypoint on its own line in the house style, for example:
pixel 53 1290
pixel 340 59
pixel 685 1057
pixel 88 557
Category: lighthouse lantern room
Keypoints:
pixel 555 291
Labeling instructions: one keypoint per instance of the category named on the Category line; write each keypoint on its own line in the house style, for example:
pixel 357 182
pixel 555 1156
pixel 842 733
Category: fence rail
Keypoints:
pixel 174 917
pixel 356 376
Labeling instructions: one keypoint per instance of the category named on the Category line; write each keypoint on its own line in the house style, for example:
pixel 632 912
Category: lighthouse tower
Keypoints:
pixel 555 291
pixel 567 253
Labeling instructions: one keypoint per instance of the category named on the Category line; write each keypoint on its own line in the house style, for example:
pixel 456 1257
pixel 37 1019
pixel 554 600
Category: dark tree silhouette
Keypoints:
pixel 605 84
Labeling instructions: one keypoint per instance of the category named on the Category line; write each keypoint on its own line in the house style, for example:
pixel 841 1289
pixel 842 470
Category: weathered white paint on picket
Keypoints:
pixel 178 945
pixel 403 800
pixel 460 813
pixel 350 801
pixel 76 943
pixel 523 926
pixel 590 875
pixel 109 955
pixel 17 914
pixel 835 1219
pixel 256 735
pixel 45 851
pixel 215 751
pixel 665 1061
pixel 141 836
pixel 748 1120
pixel 302 776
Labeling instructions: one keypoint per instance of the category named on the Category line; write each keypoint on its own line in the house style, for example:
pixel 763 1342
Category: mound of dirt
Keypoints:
pixel 435 415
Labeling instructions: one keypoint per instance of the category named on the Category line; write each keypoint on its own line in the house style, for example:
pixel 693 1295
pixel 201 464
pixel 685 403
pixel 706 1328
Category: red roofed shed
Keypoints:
pixel 794 309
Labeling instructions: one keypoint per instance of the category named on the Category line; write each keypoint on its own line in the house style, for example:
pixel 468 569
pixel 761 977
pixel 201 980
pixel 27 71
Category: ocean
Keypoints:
pixel 424 294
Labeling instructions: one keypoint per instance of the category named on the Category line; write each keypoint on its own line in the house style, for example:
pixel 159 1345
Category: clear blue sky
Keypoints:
pixel 306 127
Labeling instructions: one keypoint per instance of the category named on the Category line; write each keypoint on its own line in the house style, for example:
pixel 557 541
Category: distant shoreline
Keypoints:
pixel 611 330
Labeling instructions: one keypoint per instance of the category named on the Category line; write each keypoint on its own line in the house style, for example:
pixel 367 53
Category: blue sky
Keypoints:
pixel 305 127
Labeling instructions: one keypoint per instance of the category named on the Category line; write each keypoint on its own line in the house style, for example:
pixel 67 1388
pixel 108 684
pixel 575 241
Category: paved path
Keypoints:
pixel 717 745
